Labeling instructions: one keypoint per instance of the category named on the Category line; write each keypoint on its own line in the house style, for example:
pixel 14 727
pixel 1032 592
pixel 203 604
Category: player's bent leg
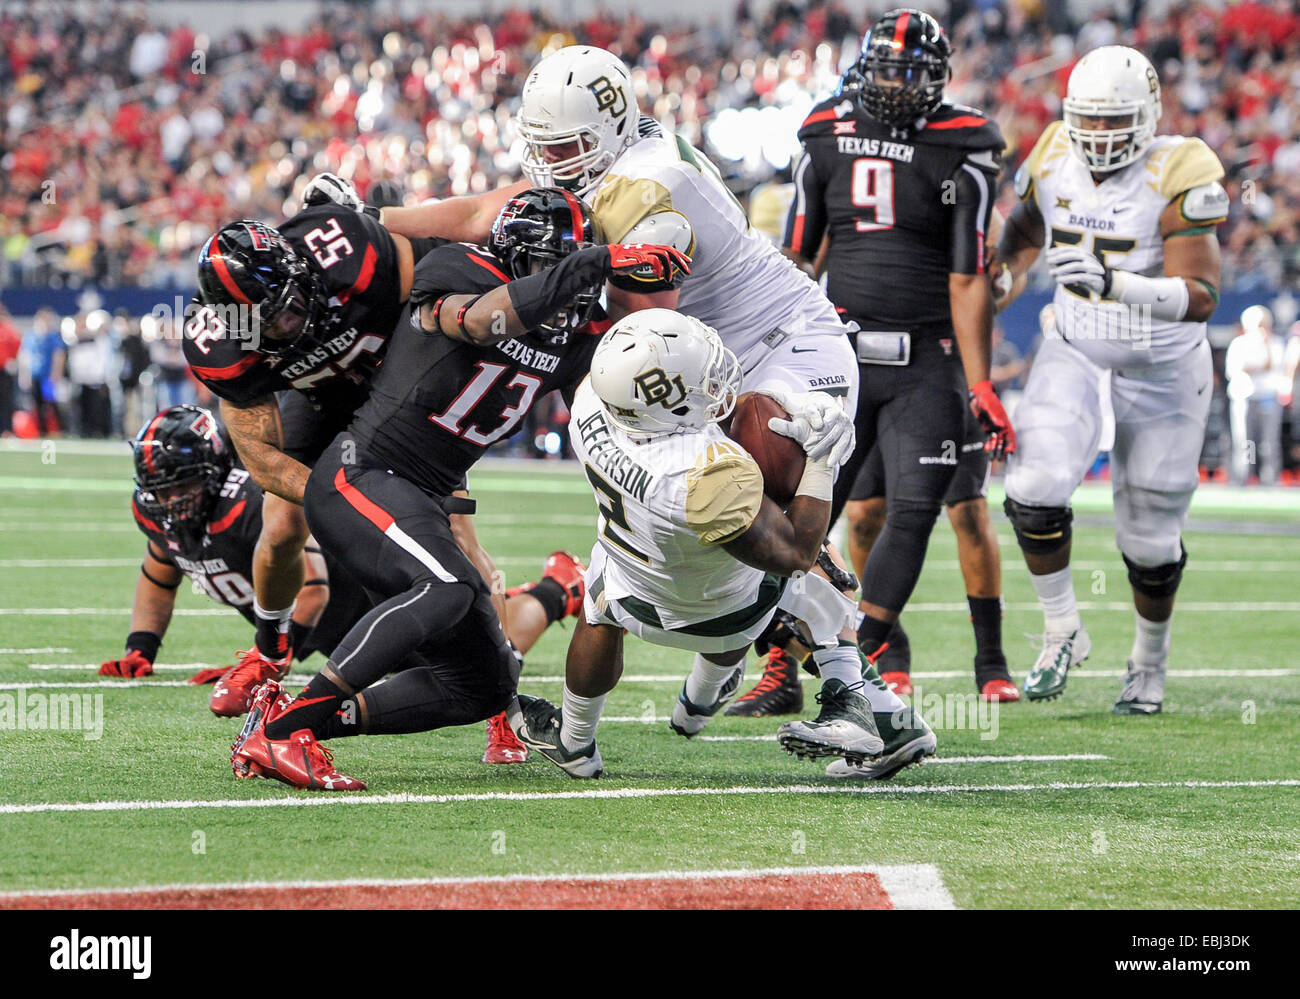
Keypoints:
pixel 278 574
pixel 711 684
pixel 1149 538
pixel 846 725
pixel 981 568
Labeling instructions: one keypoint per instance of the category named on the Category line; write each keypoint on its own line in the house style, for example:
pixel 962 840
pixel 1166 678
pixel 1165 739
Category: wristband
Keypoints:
pixel 818 480
pixel 144 642
pixel 437 313
pixel 1167 296
pixel 537 298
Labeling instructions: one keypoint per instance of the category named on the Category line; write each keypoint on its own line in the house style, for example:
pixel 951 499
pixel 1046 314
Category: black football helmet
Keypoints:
pixel 261 288
pixel 540 228
pixel 181 462
pixel 902 69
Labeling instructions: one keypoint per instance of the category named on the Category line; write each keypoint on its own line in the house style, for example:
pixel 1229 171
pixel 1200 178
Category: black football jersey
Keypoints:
pixel 357 261
pixel 902 210
pixel 437 404
pixel 221 561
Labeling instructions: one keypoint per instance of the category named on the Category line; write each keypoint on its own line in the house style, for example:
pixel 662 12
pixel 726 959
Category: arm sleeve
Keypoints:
pixel 970 217
pixel 724 492
pixel 807 221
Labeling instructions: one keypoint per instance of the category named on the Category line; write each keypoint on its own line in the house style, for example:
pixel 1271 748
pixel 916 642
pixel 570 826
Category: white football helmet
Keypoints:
pixel 1117 82
pixel 580 96
pixel 660 372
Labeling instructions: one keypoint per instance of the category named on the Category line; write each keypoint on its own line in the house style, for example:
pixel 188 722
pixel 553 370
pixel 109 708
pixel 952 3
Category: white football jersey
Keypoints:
pixel 1119 221
pixel 665 507
pixel 740 284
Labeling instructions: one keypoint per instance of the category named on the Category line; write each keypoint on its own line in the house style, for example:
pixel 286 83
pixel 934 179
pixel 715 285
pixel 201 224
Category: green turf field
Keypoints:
pixel 1056 804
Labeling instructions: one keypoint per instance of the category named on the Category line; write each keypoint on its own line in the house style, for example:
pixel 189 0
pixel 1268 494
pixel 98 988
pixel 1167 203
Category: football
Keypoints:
pixel 780 459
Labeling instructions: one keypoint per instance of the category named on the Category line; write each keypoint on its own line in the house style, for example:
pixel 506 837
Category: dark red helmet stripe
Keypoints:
pixel 148 440
pixel 576 208
pixel 219 265
pixel 900 30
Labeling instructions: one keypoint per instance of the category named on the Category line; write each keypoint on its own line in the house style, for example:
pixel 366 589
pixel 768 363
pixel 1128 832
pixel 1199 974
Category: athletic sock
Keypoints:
pixel 1151 641
pixel 298 637
pixel 876 691
pixel 986 619
pixel 551 596
pixel 580 717
pixel 272 634
pixel 311 709
pixel 705 682
pixel 843 663
pixel 873 633
pixel 1056 594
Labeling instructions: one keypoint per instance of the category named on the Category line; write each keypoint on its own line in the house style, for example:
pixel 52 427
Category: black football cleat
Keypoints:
pixel 778 691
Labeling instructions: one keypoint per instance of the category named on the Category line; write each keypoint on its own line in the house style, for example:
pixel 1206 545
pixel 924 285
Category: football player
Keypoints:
pixel 495 331
pixel 292 323
pixel 1127 219
pixel 902 184
pixel 202 516
pixel 692 555
pixel 582 132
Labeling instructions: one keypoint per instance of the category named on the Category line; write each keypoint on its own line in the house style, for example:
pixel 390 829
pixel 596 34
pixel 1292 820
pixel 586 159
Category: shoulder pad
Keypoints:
pixel 724 492
pixel 1205 203
pixel 1189 164
pixel 821 119
pixel 622 202
pixel 1028 173
pixel 962 128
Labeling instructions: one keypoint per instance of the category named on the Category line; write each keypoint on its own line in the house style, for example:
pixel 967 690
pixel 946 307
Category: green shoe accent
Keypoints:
pixel 1060 652
pixel 845 727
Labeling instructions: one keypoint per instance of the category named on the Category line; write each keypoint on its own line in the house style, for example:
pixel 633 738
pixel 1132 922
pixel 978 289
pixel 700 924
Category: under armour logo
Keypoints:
pixel 654 386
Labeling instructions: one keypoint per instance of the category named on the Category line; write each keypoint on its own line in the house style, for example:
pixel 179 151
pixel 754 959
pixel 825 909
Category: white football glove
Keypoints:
pixel 1075 265
pixel 326 188
pixel 818 423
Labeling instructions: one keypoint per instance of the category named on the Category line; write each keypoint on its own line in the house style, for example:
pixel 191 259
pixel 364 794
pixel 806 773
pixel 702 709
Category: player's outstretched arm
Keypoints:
pixel 512 310
pixel 255 429
pixel 151 613
pixel 1023 236
pixel 466 219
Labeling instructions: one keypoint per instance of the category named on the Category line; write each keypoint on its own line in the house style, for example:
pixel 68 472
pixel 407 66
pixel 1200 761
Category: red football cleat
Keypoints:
pixel 1000 690
pixel 899 682
pixel 570 573
pixel 299 761
pixel 234 691
pixel 503 746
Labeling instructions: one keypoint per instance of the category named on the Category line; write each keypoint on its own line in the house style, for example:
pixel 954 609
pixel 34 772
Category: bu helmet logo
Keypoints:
pixel 609 96
pixel 654 386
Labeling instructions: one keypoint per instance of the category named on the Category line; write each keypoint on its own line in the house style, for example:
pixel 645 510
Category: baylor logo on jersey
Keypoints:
pixel 608 96
pixel 655 386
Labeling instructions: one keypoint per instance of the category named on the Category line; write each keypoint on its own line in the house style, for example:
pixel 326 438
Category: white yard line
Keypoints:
pixel 313 800
pixel 909 886
pixel 34 652
pixel 123 684
pixel 1187 607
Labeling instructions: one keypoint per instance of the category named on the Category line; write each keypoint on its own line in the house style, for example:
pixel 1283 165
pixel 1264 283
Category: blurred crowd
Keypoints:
pixel 122 145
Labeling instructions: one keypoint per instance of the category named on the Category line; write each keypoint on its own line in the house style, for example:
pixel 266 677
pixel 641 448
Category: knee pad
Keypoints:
pixel 913 516
pixel 1157 581
pixel 1040 530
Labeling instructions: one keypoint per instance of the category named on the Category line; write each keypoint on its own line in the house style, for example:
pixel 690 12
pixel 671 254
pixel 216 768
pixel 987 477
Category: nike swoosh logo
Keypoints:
pixel 802 350
pixel 1119 208
pixel 1201 390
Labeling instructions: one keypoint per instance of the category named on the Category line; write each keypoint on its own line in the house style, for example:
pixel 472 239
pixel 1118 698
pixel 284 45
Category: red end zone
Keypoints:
pixel 815 889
